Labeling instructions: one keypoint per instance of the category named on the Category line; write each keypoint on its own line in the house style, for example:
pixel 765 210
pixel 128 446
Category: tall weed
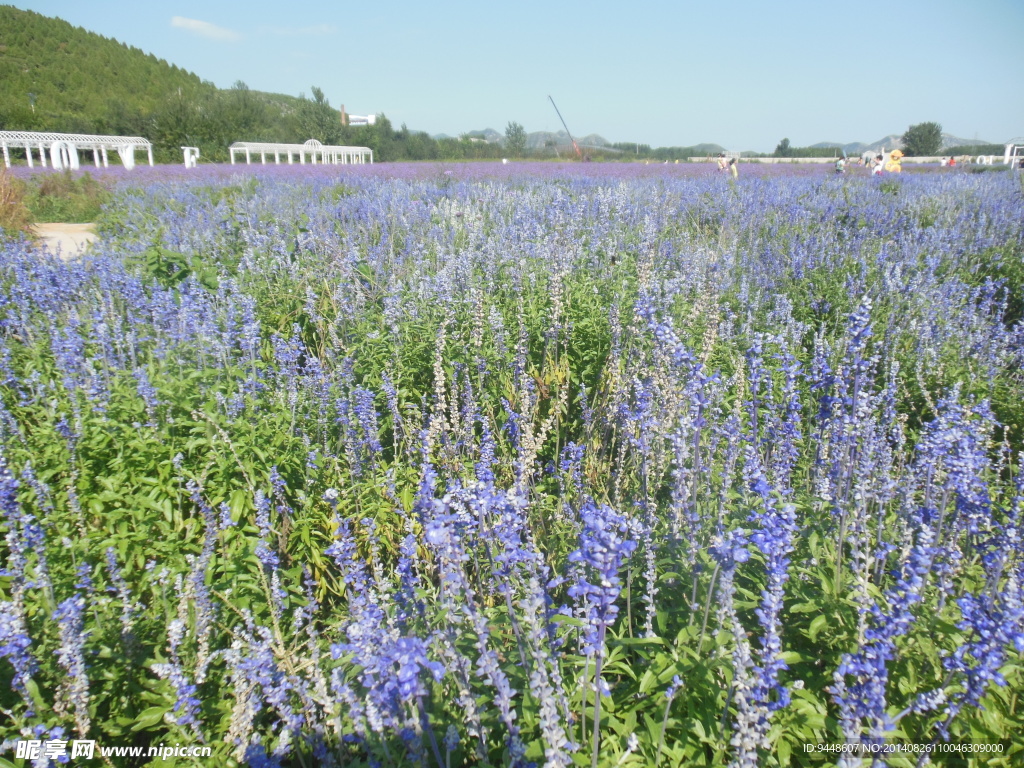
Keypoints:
pixel 14 215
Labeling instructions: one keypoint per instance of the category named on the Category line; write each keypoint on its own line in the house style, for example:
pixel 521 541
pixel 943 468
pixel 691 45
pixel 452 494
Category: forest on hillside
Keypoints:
pixel 58 77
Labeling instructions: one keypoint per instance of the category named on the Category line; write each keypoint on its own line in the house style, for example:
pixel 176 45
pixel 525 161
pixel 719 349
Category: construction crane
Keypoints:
pixel 574 144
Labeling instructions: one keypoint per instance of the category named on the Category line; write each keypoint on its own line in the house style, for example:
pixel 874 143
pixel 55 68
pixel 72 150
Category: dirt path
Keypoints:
pixel 66 240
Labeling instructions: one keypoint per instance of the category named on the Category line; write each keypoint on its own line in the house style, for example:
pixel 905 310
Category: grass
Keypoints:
pixel 65 197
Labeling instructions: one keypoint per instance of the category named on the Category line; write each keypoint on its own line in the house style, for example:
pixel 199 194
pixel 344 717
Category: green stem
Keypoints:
pixel 707 608
pixel 661 739
pixel 597 697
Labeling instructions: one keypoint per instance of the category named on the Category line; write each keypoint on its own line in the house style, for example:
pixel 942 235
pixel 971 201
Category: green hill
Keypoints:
pixel 57 77
pixel 80 79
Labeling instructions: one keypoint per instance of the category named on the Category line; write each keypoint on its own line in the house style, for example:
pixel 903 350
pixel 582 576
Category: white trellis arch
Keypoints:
pixel 316 152
pixel 64 148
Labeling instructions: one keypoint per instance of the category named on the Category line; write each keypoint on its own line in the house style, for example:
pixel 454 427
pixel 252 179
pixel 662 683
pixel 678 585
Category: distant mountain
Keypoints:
pixel 949 140
pixel 560 140
pixel 535 140
pixel 895 141
pixel 707 149
pixel 487 134
pixel 892 141
pixel 540 139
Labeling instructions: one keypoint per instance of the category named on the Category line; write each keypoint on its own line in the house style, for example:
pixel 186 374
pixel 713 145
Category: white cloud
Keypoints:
pixel 205 29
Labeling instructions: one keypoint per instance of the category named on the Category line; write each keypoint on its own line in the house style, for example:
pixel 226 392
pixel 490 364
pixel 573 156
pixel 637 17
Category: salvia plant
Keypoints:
pixel 519 466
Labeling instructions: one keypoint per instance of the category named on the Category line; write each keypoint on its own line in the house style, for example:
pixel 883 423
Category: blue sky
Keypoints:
pixel 739 73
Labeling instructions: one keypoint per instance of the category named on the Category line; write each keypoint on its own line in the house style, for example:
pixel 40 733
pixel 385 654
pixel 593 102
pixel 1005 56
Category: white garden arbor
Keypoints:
pixel 63 148
pixel 323 153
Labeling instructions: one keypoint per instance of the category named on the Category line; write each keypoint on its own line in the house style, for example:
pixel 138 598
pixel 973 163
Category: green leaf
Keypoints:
pixel 817 625
pixel 33 692
pixel 805 608
pixel 783 749
pixel 150 717
pixel 647 681
pixel 636 641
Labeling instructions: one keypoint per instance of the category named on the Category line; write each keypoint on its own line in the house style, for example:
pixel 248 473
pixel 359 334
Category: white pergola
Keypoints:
pixel 327 154
pixel 63 148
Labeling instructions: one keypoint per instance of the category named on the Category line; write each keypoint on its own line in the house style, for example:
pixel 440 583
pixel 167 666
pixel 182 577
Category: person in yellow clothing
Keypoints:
pixel 895 162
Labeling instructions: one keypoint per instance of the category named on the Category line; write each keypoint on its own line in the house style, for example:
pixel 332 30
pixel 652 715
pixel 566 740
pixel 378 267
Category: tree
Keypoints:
pixel 380 137
pixel 248 114
pixel 922 139
pixel 783 149
pixel 174 124
pixel 515 139
pixel 318 120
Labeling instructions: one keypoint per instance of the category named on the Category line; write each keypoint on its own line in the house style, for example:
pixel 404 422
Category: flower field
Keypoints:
pixel 511 465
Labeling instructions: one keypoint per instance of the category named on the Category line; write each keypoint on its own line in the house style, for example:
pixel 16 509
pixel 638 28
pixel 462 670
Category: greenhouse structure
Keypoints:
pixel 63 148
